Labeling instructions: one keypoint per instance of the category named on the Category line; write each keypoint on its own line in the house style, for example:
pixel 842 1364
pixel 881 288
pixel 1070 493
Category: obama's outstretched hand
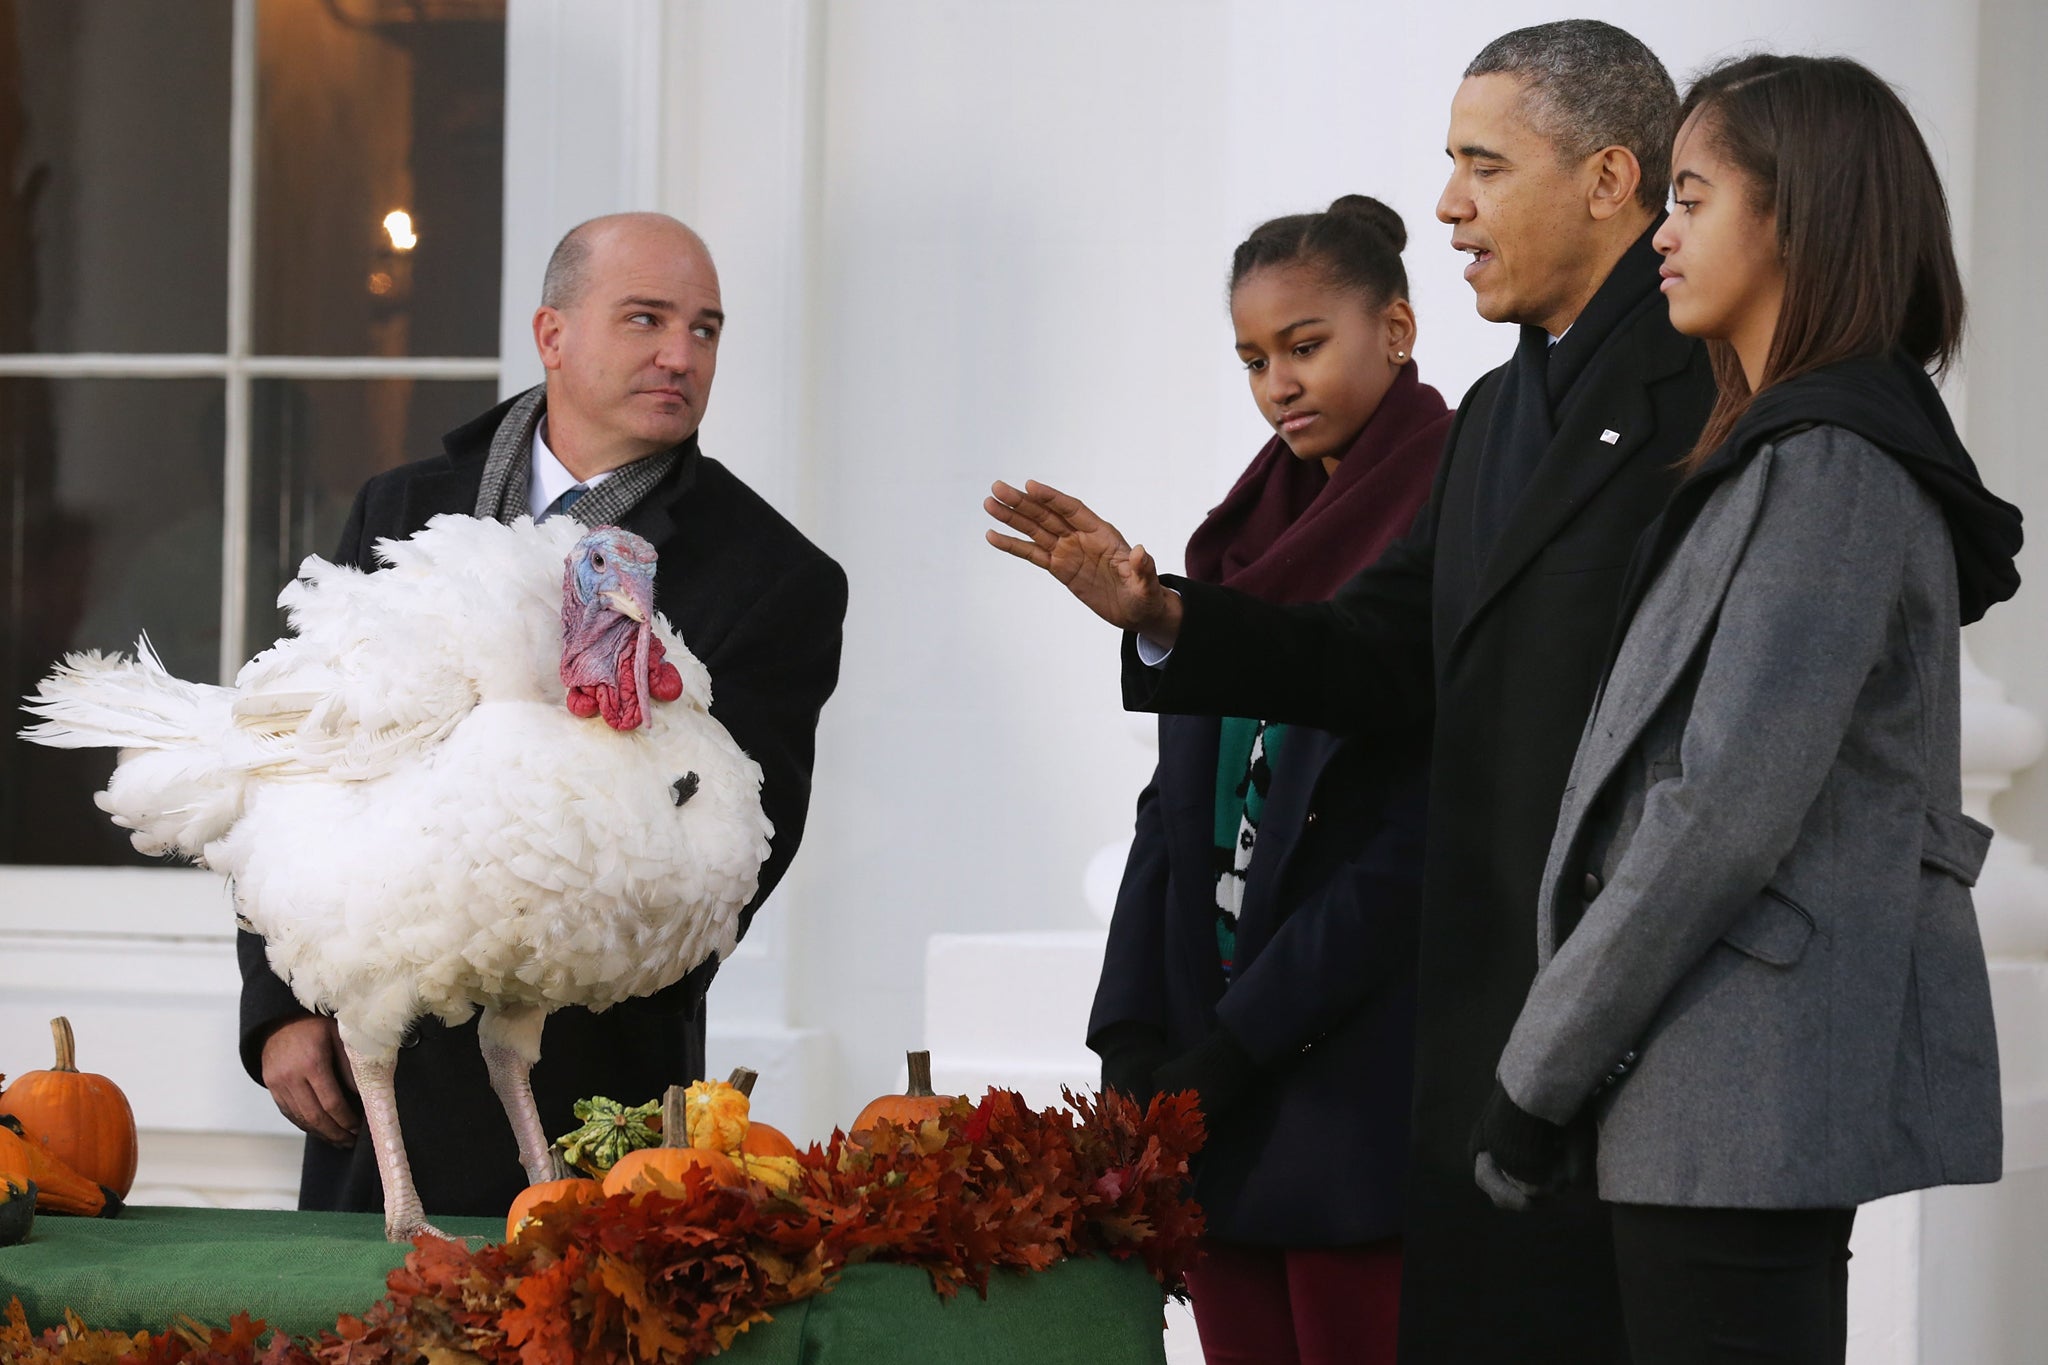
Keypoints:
pixel 1117 581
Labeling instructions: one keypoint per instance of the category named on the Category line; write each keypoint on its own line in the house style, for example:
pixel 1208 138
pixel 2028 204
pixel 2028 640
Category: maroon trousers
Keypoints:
pixel 1316 1305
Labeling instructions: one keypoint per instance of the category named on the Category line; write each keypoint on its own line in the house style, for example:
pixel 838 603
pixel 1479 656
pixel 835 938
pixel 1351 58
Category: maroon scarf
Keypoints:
pixel 1288 532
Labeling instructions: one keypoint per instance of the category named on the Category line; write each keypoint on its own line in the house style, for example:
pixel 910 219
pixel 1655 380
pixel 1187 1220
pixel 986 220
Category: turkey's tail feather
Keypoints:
pixel 99 701
pixel 174 786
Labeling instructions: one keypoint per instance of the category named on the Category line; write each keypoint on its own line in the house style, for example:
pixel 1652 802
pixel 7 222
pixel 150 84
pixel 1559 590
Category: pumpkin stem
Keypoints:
pixel 561 1167
pixel 920 1074
pixel 743 1078
pixel 675 1120
pixel 67 1046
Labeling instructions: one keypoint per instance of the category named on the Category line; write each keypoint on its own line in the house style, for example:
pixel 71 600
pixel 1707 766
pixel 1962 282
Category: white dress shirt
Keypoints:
pixel 549 479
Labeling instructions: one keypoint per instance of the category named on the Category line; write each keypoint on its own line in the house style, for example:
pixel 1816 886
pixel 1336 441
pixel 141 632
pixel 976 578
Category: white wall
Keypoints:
pixel 1020 275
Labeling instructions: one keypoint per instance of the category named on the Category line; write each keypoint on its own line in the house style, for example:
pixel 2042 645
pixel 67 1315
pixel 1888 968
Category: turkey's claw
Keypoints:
pixel 405 1229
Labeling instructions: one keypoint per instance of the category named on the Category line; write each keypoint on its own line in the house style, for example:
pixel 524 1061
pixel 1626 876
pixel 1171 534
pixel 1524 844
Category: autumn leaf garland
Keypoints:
pixel 995 1185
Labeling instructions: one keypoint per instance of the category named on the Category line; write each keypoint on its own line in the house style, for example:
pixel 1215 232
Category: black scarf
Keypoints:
pixel 1539 383
pixel 1889 401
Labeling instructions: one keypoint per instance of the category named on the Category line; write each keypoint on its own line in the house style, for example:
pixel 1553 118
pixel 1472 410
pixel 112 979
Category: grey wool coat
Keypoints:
pixel 1759 961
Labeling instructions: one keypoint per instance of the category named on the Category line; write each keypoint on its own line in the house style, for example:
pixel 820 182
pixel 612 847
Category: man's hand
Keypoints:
pixel 1118 581
pixel 308 1075
pixel 1508 1194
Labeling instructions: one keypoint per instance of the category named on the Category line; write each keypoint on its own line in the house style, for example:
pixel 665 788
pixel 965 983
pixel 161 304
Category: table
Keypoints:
pixel 299 1271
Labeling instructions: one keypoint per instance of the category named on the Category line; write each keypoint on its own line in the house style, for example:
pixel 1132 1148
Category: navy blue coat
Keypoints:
pixel 1323 998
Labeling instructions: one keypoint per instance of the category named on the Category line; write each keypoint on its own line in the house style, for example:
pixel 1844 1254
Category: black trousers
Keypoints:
pixel 1722 1286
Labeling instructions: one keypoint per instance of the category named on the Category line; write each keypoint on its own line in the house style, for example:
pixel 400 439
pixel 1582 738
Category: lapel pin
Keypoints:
pixel 1610 436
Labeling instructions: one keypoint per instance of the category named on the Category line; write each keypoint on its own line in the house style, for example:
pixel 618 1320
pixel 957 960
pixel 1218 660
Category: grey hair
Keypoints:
pixel 568 268
pixel 1591 85
pixel 568 272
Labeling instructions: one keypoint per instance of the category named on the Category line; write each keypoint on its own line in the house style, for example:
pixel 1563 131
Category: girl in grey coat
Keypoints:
pixel 1762 998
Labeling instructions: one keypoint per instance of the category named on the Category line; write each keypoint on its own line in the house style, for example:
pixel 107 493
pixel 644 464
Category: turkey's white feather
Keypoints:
pixel 410 815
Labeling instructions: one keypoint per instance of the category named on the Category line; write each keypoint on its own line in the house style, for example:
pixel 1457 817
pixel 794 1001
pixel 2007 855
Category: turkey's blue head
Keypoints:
pixel 611 659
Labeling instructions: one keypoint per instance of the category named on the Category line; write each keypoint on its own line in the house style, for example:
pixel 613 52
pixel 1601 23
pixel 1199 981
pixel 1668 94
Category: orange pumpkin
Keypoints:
pixel 764 1140
pixel 568 1189
pixel 652 1167
pixel 916 1104
pixel 662 1168
pixel 83 1120
pixel 59 1189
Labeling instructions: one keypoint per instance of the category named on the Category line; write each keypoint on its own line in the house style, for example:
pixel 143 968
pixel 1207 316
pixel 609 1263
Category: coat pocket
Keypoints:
pixel 1774 930
pixel 1955 843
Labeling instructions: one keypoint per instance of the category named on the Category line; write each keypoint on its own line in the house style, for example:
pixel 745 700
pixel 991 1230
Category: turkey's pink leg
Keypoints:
pixel 510 1036
pixel 404 1218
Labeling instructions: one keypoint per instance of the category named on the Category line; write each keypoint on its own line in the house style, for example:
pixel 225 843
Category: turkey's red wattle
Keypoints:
pixel 618 701
pixel 662 679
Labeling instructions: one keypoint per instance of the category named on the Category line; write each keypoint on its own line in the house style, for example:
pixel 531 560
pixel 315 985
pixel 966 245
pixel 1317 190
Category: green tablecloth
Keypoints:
pixel 299 1271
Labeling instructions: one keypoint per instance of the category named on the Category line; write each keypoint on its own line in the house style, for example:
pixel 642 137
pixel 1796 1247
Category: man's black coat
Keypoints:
pixel 1503 652
pixel 762 608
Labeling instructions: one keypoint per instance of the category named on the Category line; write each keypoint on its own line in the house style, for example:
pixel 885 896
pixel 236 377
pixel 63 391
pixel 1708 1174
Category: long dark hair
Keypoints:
pixel 1355 244
pixel 1863 225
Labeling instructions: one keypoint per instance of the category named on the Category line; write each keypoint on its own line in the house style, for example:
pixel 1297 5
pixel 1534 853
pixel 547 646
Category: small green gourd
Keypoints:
pixel 610 1130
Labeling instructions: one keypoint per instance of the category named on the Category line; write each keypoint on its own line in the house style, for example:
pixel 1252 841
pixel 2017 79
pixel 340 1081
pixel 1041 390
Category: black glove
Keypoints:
pixel 1219 1072
pixel 1517 1157
pixel 1130 1051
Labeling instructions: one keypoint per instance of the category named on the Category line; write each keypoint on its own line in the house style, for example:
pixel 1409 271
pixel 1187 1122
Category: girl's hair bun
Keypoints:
pixel 1356 243
pixel 1363 208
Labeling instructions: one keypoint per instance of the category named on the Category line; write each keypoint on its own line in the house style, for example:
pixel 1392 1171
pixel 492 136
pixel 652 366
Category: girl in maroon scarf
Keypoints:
pixel 1262 948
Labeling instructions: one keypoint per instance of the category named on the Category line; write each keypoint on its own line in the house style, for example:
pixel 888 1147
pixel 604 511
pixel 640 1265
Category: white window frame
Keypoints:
pixel 192 899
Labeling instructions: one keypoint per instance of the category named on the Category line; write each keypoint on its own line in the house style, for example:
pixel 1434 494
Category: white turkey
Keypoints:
pixel 485 778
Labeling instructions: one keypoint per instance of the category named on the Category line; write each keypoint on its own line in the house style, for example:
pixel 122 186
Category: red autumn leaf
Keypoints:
pixel 540 1326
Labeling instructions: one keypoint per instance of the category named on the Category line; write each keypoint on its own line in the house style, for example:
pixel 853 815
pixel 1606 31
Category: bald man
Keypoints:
pixel 628 329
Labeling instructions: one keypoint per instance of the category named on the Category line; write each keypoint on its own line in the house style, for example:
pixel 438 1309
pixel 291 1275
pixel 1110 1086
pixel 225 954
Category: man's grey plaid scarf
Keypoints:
pixel 508 473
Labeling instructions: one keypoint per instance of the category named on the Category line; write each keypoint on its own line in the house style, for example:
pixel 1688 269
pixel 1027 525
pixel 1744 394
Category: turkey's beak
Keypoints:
pixel 625 604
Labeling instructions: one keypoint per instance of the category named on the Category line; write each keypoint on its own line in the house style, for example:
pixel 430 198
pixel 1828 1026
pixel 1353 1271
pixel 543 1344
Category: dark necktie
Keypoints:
pixel 564 502
pixel 1515 440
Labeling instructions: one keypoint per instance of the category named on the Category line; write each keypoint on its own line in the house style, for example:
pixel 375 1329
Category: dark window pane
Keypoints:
pixel 113 175
pixel 315 442
pixel 366 108
pixel 110 522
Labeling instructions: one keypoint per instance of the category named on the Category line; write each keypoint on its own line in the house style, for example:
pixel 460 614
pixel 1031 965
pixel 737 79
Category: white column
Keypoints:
pixel 582 99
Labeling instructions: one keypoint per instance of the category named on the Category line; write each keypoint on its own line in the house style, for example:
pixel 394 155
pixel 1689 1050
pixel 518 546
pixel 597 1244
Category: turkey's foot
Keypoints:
pixel 405 1229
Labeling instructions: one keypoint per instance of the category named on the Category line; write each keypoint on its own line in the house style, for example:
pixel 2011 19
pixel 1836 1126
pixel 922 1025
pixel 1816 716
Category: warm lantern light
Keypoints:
pixel 399 224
